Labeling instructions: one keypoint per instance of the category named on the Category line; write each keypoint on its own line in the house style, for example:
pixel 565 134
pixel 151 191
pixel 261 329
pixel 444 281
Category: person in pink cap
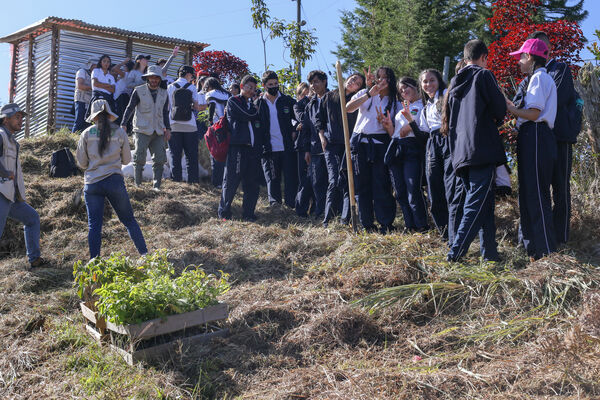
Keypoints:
pixel 536 149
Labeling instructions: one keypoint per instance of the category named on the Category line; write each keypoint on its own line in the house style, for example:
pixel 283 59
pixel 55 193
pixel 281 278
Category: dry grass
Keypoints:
pixel 297 329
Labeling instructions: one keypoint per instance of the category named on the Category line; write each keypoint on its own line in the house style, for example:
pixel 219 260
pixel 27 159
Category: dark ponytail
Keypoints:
pixel 445 128
pixel 538 62
pixel 103 125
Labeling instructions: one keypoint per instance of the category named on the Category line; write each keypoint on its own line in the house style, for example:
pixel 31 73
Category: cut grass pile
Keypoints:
pixel 314 313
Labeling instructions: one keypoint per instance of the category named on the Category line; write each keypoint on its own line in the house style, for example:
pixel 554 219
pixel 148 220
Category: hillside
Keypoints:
pixel 451 331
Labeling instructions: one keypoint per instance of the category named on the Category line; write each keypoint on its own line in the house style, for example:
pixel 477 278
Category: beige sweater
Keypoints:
pixel 96 166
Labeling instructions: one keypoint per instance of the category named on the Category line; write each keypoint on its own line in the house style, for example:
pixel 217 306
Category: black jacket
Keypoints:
pixel 565 95
pixel 302 117
pixel 310 137
pixel 329 118
pixel 238 116
pixel 285 116
pixel 477 107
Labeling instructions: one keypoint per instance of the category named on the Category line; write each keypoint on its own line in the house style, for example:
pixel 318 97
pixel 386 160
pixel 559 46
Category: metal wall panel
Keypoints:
pixel 40 88
pixel 21 83
pixel 74 48
pixel 160 52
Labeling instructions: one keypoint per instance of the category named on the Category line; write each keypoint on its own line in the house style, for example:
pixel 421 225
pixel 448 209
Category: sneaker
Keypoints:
pixel 250 218
pixel 38 262
pixel 156 189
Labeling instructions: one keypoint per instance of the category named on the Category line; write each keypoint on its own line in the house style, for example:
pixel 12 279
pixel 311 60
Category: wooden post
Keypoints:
pixel 342 90
pixel 53 84
pixel 28 105
pixel 129 48
pixel 12 85
pixel 189 56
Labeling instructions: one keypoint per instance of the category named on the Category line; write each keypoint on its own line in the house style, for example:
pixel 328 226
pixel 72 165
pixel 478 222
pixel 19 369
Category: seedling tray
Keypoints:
pixel 158 337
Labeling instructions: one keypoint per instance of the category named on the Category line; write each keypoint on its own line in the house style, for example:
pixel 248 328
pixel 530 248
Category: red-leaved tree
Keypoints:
pixel 228 67
pixel 512 21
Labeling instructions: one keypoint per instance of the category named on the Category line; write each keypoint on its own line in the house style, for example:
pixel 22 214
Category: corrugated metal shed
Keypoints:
pixel 47 54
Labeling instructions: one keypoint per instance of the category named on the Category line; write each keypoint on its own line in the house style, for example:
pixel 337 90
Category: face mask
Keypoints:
pixel 273 90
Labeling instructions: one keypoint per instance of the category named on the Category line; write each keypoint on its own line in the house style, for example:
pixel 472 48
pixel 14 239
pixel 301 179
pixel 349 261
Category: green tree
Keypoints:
pixel 409 35
pixel 301 43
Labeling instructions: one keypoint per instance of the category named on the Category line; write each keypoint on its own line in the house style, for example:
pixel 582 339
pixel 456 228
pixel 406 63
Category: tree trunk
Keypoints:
pixel 588 87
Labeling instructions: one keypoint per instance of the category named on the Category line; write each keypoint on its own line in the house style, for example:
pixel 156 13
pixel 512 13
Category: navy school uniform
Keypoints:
pixel 304 195
pixel 243 157
pixel 311 143
pixel 279 158
pixel 404 158
pixel 438 165
pixel 329 120
pixel 477 106
pixel 565 135
pixel 369 144
pixel 536 157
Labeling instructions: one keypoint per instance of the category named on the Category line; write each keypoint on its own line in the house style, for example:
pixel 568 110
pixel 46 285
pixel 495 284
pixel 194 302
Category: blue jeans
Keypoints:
pixel 80 110
pixel 112 188
pixel 25 214
pixel 179 143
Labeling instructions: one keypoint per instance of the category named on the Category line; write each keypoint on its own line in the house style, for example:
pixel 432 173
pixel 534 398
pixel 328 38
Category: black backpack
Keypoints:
pixel 63 164
pixel 181 108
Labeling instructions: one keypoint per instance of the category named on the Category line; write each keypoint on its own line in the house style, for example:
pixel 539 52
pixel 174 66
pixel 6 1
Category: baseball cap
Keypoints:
pixel 10 109
pixel 535 47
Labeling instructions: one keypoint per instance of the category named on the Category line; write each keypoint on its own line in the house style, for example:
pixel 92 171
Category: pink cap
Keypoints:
pixel 534 47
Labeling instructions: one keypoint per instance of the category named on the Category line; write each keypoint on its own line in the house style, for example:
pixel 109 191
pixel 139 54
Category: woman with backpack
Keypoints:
pixel 216 98
pixel 102 149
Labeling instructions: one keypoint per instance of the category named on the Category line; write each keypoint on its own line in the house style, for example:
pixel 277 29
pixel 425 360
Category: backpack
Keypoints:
pixel 575 114
pixel 217 139
pixel 63 164
pixel 181 109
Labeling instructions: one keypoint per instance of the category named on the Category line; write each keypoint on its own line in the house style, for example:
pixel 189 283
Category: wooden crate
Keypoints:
pixel 179 331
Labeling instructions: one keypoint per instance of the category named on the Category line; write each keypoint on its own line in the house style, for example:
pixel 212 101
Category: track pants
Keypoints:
pixel 407 173
pixel 473 206
pixel 536 157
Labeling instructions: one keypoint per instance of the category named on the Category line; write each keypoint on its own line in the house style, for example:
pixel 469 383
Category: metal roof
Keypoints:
pixel 47 24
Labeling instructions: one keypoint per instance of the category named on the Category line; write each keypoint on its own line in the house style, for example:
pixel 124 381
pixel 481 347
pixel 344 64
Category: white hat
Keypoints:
pixel 97 107
pixel 90 61
pixel 153 70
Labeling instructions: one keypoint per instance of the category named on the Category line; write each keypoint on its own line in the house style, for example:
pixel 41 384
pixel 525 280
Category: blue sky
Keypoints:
pixel 225 24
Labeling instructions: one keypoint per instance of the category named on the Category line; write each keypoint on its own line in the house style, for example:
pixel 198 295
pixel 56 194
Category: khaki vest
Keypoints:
pixel 10 161
pixel 84 95
pixel 148 117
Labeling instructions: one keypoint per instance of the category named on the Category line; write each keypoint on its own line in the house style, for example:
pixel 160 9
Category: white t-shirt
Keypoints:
pixel 431 117
pixel 416 109
pixel 183 126
pixel 121 86
pixel 97 73
pixel 541 95
pixel 275 130
pixel 219 105
pixel 366 121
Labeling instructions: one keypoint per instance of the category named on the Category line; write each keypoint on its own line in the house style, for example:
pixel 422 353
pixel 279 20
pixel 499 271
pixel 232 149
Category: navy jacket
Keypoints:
pixel 302 117
pixel 329 117
pixel 238 116
pixel 285 116
pixel 309 139
pixel 477 107
pixel 565 94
